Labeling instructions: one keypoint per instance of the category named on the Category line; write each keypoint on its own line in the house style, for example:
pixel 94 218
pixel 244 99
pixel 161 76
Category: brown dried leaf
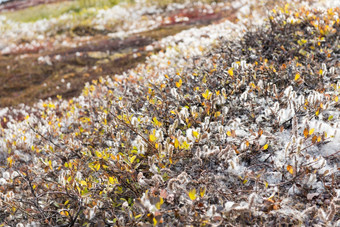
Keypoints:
pixel 305 132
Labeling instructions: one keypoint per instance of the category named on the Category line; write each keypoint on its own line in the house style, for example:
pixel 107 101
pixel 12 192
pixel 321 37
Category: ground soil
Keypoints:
pixel 24 80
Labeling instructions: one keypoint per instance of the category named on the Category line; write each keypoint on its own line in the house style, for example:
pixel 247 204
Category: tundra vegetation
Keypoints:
pixel 239 129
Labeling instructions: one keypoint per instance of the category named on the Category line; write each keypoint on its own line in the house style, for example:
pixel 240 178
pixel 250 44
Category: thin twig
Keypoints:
pixel 49 140
pixel 36 201
pixel 132 129
pixel 332 154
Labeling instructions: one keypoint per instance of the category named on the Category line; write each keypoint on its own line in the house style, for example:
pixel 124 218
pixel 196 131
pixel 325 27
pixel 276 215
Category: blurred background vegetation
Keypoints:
pixel 47 11
pixel 53 10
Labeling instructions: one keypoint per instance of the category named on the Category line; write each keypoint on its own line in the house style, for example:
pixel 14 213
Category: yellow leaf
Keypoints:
pixel 302 41
pixel 311 131
pixel 319 139
pixel 196 134
pixel 231 72
pixel 132 159
pixel 229 133
pixel 51 105
pixel 217 114
pixel 154 221
pixel 98 154
pixel 207 94
pixel 179 83
pixel 153 138
pixel 176 143
pixel 65 213
pixel 330 117
pixel 336 99
pixel 185 145
pixel 290 169
pixel 297 76
pixel 156 122
pixel 159 204
pixel 266 184
pixel 320 72
pixel 265 147
pixel 50 164
pixel 97 166
pixel 112 180
pixel 192 194
pixel 9 161
pixel 138 216
pixel 173 112
pixel 83 183
pixel 202 191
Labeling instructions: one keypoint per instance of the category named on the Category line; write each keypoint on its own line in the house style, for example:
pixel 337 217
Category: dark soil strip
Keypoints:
pixel 26 81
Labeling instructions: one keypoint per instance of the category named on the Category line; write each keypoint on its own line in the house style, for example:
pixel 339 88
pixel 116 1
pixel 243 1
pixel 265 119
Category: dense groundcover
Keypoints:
pixel 246 135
